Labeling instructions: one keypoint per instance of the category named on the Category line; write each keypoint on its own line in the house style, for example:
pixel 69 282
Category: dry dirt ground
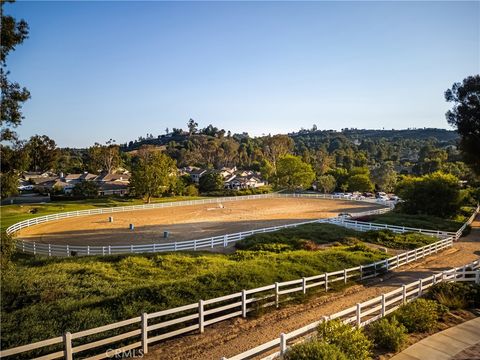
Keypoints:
pixel 187 222
pixel 233 337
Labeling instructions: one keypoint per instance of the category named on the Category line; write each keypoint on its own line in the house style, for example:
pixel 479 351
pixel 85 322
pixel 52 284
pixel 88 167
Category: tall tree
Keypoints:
pixel 153 174
pixel 385 176
pixel 104 157
pixel 293 173
pixel 465 117
pixel 274 147
pixel 211 182
pixel 192 126
pixel 43 153
pixel 12 34
pixel 360 182
pixel 327 183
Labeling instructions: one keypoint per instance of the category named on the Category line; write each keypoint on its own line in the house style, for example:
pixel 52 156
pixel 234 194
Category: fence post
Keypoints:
pixel 201 326
pixel 34 249
pixel 415 254
pixel 144 333
pixel 68 250
pixel 49 250
pixel 383 305
pixel 109 250
pixel 23 245
pixel 344 276
pixel 404 293
pixel 304 285
pixel 211 242
pixel 359 314
pixel 326 281
pixel 477 277
pixel 283 344
pixel 225 241
pixel 244 303
pixel 361 272
pixel 276 295
pixel 67 346
pixel 88 249
pixel 420 287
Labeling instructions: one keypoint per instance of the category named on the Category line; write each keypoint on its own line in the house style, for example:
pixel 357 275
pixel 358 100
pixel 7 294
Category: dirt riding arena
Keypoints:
pixel 186 222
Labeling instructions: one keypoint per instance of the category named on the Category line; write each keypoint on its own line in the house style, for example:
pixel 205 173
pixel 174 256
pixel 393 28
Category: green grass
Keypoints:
pixel 308 236
pixel 11 214
pixel 41 297
pixel 416 221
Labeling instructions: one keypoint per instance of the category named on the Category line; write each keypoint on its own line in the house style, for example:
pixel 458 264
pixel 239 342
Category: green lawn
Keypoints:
pixel 11 214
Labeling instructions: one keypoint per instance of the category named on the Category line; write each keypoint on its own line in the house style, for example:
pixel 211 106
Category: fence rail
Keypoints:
pixel 154 327
pixel 366 312
pixel 109 210
pixel 165 324
pixel 197 244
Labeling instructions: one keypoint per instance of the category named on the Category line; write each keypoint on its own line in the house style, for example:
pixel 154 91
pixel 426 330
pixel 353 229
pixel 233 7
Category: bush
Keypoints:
pixel 351 341
pixel 314 350
pixel 405 241
pixel 388 334
pixel 455 295
pixel 434 194
pixel 420 315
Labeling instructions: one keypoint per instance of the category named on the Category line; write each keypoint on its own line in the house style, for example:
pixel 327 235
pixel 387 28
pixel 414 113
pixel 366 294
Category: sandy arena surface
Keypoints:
pixel 187 222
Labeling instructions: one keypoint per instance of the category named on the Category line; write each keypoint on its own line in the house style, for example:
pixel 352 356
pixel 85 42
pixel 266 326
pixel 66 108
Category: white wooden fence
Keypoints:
pixel 149 328
pixel 197 244
pixel 139 332
pixel 109 210
pixel 366 312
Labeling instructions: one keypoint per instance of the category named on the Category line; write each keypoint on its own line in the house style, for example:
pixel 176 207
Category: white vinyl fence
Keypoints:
pixel 197 244
pixel 366 312
pixel 139 332
pixel 115 209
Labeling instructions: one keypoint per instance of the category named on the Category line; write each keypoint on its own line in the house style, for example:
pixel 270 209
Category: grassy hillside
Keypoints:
pixel 41 298
pixel 312 236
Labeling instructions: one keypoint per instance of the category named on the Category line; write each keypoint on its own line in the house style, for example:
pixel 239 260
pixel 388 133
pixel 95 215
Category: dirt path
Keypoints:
pixel 232 337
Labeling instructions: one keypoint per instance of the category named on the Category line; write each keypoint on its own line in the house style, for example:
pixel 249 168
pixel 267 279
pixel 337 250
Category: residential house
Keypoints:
pixel 244 182
pixel 194 173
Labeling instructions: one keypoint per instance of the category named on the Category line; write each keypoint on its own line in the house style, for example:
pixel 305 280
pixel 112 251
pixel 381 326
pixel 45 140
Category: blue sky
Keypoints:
pixel 101 70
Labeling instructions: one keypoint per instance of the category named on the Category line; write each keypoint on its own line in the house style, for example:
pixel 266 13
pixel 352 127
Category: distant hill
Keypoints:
pixel 442 136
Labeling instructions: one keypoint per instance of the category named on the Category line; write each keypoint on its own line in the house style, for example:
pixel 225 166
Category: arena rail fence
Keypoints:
pixel 151 328
pixel 366 312
pixel 198 244
pixel 111 210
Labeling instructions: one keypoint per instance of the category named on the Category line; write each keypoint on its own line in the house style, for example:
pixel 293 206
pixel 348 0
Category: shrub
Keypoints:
pixel 314 350
pixel 388 334
pixel 351 341
pixel 420 315
pixel 455 295
pixel 405 241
